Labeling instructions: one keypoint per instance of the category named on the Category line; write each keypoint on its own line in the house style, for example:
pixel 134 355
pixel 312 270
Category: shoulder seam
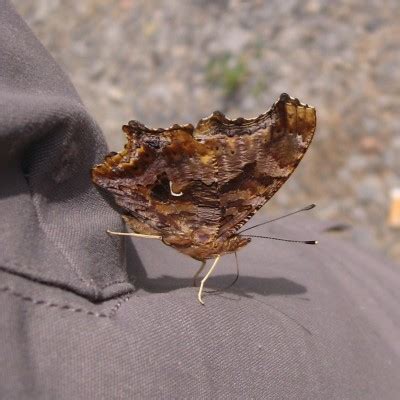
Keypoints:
pixel 66 307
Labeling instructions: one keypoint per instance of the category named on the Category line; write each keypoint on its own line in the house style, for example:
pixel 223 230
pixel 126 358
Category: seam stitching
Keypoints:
pixel 66 307
pixel 7 264
pixel 118 305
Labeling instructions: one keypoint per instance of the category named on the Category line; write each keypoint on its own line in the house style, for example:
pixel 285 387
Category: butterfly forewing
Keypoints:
pixel 197 186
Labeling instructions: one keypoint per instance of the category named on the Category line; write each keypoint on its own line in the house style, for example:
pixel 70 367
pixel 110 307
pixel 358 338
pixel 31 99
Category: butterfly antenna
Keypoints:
pixel 283 240
pixel 309 207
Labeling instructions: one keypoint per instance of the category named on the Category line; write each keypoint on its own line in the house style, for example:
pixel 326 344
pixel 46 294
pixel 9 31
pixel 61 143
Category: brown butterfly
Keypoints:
pixel 195 187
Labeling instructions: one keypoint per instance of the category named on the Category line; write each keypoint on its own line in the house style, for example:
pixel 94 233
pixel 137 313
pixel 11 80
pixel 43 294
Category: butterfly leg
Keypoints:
pixel 133 234
pixel 203 281
pixel 203 264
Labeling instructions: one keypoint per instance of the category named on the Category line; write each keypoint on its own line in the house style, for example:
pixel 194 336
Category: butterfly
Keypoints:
pixel 195 187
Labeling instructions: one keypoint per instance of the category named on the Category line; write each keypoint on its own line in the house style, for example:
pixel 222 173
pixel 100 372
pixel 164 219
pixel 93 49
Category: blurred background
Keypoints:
pixel 165 62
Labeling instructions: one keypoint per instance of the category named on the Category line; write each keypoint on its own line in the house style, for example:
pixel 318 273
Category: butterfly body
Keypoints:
pixel 196 187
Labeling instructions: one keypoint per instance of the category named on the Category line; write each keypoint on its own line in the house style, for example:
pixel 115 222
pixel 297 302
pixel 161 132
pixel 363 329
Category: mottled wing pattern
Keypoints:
pixel 197 186
pixel 166 181
pixel 267 150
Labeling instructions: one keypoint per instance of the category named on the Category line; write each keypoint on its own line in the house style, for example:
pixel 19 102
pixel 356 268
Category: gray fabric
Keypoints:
pixel 53 214
pixel 78 322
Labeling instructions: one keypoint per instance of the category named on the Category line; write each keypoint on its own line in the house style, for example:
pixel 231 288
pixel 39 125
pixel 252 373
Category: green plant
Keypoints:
pixel 228 72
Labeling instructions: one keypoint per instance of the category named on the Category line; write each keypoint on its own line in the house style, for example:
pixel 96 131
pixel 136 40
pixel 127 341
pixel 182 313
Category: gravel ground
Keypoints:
pixel 165 62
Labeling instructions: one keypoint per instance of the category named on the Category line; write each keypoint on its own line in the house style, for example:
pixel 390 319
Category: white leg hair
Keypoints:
pixel 196 275
pixel 203 281
pixel 133 234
